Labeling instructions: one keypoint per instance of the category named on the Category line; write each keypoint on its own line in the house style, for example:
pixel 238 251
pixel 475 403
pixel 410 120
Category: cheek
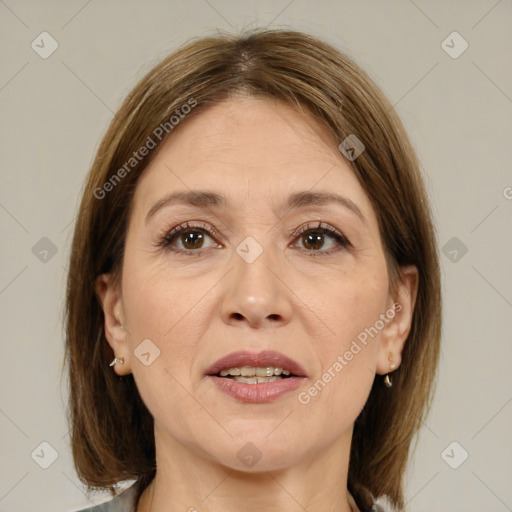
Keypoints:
pixel 163 306
pixel 351 307
pixel 155 298
pixel 164 309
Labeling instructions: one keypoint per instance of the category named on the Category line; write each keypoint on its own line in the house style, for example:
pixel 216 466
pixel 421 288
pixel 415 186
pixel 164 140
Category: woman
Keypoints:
pixel 253 304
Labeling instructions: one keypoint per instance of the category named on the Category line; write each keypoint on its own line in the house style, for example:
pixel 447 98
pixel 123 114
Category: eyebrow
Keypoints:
pixel 209 199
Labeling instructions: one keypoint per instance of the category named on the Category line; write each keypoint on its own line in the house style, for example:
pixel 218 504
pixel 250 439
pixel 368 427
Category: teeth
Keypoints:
pixel 247 371
pixel 251 371
pixel 265 372
pixel 256 380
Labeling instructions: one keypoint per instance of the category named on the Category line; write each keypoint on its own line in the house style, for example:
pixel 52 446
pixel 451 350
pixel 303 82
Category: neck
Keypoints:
pixel 188 481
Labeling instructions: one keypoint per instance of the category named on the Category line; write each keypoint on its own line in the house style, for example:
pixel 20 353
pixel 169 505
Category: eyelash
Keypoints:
pixel 324 229
pixel 167 237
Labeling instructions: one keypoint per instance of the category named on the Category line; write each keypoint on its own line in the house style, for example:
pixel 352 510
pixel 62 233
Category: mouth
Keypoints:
pixel 257 378
pixel 256 375
pixel 254 368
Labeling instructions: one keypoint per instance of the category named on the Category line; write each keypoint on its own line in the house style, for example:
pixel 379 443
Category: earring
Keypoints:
pixel 116 360
pixel 392 366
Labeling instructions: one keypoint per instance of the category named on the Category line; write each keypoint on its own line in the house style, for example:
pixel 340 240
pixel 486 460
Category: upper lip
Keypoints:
pixel 256 359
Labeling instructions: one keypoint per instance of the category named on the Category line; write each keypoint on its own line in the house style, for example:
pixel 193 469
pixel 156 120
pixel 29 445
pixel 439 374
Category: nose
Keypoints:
pixel 255 294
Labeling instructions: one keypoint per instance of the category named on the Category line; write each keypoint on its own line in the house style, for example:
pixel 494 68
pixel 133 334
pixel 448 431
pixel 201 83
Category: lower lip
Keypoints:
pixel 256 393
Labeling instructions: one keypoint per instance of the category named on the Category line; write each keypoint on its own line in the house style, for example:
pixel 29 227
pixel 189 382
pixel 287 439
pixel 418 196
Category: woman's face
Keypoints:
pixel 253 272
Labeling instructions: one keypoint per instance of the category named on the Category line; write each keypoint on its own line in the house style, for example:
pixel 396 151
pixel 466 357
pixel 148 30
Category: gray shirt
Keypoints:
pixel 124 502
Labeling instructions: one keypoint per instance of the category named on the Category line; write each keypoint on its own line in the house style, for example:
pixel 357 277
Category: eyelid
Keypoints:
pixel 321 227
pixel 165 237
pixel 201 225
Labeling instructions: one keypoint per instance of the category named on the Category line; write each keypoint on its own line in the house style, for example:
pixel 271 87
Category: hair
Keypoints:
pixel 112 434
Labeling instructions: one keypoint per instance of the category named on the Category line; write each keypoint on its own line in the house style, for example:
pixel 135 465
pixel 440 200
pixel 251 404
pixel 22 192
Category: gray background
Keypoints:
pixel 457 111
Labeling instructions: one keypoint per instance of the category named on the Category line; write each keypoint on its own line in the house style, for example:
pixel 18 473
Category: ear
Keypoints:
pixel 399 320
pixel 115 330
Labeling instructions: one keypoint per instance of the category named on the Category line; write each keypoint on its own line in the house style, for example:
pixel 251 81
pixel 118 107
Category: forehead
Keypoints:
pixel 250 148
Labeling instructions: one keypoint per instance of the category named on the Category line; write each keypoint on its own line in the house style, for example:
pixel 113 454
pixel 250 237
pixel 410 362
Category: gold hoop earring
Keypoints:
pixel 387 380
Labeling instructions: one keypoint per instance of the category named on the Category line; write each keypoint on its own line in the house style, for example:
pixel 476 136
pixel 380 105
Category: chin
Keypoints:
pixel 258 454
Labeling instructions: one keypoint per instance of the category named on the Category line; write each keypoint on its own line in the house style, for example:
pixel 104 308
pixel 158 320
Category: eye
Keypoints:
pixel 314 239
pixel 187 238
pixel 190 239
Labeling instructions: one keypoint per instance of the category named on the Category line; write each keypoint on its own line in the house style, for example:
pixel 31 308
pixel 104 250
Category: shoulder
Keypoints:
pixel 124 502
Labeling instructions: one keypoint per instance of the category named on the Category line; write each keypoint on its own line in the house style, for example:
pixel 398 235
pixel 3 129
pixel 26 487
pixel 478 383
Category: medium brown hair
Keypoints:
pixel 111 429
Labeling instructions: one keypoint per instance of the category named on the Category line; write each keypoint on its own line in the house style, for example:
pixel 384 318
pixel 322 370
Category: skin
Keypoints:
pixel 196 309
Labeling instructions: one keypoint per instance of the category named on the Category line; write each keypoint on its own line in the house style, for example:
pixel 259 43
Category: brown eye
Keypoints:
pixel 321 239
pixel 313 241
pixel 189 239
pixel 192 239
